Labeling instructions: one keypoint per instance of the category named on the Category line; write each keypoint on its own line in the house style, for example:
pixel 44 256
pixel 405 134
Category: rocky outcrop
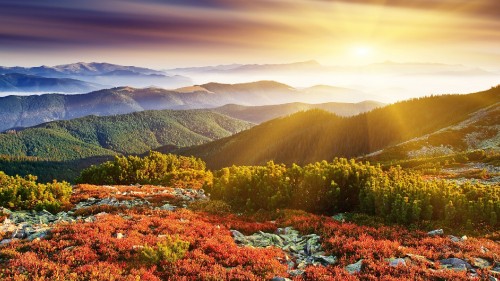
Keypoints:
pixel 301 250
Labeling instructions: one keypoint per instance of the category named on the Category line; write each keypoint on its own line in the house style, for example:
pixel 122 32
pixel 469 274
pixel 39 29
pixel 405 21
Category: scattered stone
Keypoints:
pixel 119 235
pixel 301 250
pixel 397 261
pixel 484 250
pixel 436 232
pixel 455 264
pixel 496 269
pixel 420 259
pixel 168 207
pixel 354 267
pixel 279 278
pixel 296 272
pixel 481 263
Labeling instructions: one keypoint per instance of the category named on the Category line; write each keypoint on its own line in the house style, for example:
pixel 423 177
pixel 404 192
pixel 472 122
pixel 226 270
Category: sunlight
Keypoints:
pixel 362 51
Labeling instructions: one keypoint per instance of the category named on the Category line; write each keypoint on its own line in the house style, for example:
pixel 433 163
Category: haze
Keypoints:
pixel 352 40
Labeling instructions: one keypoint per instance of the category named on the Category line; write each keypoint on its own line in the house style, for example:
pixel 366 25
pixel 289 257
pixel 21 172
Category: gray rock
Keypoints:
pixel 354 267
pixel 455 264
pixel 435 232
pixel 481 263
pixel 119 235
pixel 397 261
pixel 5 241
pixel 296 272
pixel 279 278
pixel 326 260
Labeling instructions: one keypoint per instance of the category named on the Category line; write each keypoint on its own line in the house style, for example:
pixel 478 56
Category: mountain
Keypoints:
pixel 26 111
pixel 130 133
pixel 481 130
pixel 234 68
pixel 17 82
pixel 318 135
pixel 105 73
pixel 259 114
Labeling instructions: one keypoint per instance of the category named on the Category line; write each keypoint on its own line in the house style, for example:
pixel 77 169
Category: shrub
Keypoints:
pixel 217 207
pixel 156 168
pixel 170 250
pixel 25 193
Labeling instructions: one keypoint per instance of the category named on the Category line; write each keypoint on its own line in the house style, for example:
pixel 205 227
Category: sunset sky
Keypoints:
pixel 166 34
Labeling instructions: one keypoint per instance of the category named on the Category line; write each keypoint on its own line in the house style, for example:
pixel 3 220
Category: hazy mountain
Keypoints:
pixel 105 73
pixel 17 82
pixel 25 111
pixel 130 133
pixel 259 114
pixel 411 79
pixel 317 135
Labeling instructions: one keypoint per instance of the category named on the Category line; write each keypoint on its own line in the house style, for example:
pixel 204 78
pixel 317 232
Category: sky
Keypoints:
pixel 179 33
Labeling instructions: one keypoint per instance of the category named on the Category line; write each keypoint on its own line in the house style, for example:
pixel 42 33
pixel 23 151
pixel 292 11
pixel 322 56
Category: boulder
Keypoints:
pixel 354 267
pixel 436 232
pixel 397 261
pixel 455 264
pixel 481 263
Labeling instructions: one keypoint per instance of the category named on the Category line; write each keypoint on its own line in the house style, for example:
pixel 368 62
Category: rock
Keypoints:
pixel 397 261
pixel 354 267
pixel 496 269
pixel 455 264
pixel 484 250
pixel 326 260
pixel 481 263
pixel 296 272
pixel 168 207
pixel 435 232
pixel 119 235
pixel 491 278
pixel 454 239
pixel 5 241
pixel 39 234
pixel 464 238
pixel 420 259
pixel 279 278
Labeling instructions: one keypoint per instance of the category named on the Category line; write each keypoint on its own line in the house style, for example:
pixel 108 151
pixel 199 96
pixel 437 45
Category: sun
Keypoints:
pixel 362 51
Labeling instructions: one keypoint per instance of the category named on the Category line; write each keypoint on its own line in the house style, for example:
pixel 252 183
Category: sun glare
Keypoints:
pixel 362 51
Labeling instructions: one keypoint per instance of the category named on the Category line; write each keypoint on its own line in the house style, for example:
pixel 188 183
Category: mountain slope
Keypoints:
pixel 26 111
pixel 259 114
pixel 317 135
pixel 16 82
pixel 131 133
pixel 481 130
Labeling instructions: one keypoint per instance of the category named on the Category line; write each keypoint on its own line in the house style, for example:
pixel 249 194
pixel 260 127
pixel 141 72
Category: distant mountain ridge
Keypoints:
pixel 104 73
pixel 316 135
pixel 17 82
pixel 26 111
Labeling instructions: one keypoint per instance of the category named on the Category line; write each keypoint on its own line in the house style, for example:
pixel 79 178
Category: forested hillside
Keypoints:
pixel 317 135
pixel 128 134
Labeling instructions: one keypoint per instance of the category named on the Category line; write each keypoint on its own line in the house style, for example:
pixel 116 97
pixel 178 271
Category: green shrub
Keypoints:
pixel 156 168
pixel 25 193
pixel 217 207
pixel 170 250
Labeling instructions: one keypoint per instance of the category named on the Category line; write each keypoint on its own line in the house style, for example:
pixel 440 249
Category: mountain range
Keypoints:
pixel 98 73
pixel 317 135
pixel 17 82
pixel 26 111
